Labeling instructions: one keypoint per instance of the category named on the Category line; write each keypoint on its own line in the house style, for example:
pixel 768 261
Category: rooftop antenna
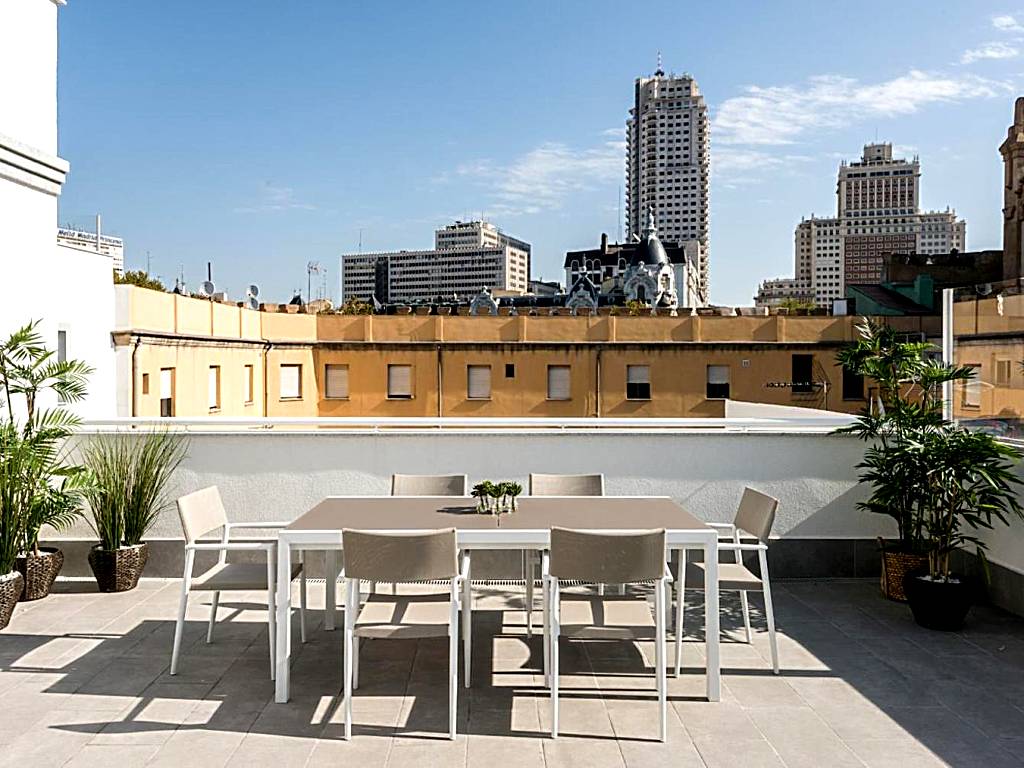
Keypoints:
pixel 311 267
pixel 659 70
pixel 360 240
pixel 147 263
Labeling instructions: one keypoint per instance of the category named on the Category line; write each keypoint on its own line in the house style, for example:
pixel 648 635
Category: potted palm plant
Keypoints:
pixel 15 495
pixel 130 475
pixel 38 484
pixel 906 403
pixel 969 486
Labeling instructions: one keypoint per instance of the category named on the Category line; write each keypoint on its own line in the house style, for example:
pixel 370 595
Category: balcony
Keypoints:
pixel 85 676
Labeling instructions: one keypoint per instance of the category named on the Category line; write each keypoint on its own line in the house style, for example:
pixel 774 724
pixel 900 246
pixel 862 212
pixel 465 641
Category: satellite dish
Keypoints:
pixel 252 302
pixel 207 288
pixel 253 291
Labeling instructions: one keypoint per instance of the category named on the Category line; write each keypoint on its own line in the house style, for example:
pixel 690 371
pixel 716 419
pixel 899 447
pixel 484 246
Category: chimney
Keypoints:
pixel 604 242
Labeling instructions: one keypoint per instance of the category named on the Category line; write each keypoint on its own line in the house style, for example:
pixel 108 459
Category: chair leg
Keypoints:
pixel 745 603
pixel 769 612
pixel 272 614
pixel 546 639
pixel 467 630
pixel 302 598
pixel 680 611
pixel 554 656
pixel 453 661
pixel 528 579
pixel 213 617
pixel 355 663
pixel 179 627
pixel 349 652
pixel 660 662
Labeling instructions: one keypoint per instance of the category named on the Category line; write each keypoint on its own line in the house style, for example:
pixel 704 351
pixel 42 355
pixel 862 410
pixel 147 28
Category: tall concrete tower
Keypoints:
pixel 667 164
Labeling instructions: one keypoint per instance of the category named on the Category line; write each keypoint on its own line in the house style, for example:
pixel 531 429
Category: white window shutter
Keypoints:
pixel 558 382
pixel 336 381
pixel 478 382
pixel 638 374
pixel 166 384
pixel 718 374
pixel 291 381
pixel 400 381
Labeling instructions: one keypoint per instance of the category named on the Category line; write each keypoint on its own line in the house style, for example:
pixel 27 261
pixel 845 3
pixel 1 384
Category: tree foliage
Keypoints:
pixel 140 278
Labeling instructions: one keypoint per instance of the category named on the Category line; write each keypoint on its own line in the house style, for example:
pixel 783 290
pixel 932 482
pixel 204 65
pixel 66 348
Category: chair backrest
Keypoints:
pixel 201 512
pixel 428 485
pixel 607 558
pixel 400 556
pixel 566 485
pixel 756 514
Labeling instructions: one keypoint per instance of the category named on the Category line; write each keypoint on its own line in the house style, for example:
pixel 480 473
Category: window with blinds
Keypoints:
pixel 478 382
pixel 638 382
pixel 247 384
pixel 718 382
pixel 291 382
pixel 400 382
pixel 971 393
pixel 558 382
pixel 336 382
pixel 213 388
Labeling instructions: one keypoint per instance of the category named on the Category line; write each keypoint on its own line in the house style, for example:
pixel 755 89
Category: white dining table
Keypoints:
pixel 527 529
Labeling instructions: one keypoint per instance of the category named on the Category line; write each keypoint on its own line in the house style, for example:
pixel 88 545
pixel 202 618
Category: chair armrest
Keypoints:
pixel 730 526
pixel 258 524
pixel 253 546
pixel 464 566
pixel 743 547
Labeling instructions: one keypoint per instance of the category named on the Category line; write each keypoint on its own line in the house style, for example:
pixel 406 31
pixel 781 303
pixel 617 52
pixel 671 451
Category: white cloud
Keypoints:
pixel 778 115
pixel 1007 23
pixel 989 51
pixel 276 198
pixel 543 178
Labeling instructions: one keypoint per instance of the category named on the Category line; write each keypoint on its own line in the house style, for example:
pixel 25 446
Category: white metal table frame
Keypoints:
pixel 329 540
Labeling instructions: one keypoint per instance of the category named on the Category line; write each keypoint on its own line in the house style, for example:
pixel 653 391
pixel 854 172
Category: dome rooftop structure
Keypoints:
pixel 649 250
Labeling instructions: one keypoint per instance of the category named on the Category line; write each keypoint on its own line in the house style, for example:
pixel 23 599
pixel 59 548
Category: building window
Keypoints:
pixel 213 388
pixel 336 382
pixel 718 382
pixel 972 388
pixel 510 370
pixel 803 374
pixel 145 383
pixel 853 385
pixel 1002 373
pixel 400 382
pixel 558 382
pixel 247 384
pixel 291 382
pixel 166 392
pixel 638 382
pixel 478 382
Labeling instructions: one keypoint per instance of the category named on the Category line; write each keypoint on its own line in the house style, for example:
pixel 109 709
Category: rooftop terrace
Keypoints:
pixel 85 682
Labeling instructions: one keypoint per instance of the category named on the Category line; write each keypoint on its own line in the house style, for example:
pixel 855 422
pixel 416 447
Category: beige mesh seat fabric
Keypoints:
pixel 202 513
pixel 754 520
pixel 406 557
pixel 542 484
pixel 428 485
pixel 566 485
pixel 619 558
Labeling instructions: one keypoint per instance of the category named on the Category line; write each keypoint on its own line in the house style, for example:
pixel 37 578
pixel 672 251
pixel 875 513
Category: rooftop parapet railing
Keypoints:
pixel 815 424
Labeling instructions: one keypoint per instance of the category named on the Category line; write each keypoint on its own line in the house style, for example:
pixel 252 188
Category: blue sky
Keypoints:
pixel 263 135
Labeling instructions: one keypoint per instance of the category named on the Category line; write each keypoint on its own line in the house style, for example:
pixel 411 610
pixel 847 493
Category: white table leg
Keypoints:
pixel 711 615
pixel 331 576
pixel 284 607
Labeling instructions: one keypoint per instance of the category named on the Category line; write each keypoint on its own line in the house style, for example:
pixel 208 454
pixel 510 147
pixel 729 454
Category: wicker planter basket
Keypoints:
pixel 40 571
pixel 118 570
pixel 896 566
pixel 10 591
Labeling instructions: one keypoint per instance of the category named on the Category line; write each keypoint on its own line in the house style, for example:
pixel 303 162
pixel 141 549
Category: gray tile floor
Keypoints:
pixel 83 681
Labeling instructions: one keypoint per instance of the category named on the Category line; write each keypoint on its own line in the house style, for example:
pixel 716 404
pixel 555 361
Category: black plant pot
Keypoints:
pixel 941 605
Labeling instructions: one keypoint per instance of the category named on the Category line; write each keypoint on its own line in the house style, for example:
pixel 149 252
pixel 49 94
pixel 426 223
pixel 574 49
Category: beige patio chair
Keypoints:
pixel 405 557
pixel 201 513
pixel 754 519
pixel 618 558
pixel 428 485
pixel 555 485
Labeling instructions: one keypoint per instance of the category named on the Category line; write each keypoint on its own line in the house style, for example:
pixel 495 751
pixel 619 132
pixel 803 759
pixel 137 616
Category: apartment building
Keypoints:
pixel 465 256
pixel 877 213
pixel 180 356
pixel 668 163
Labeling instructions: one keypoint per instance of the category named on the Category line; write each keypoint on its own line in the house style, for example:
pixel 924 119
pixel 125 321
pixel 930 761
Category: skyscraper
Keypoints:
pixel 667 163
